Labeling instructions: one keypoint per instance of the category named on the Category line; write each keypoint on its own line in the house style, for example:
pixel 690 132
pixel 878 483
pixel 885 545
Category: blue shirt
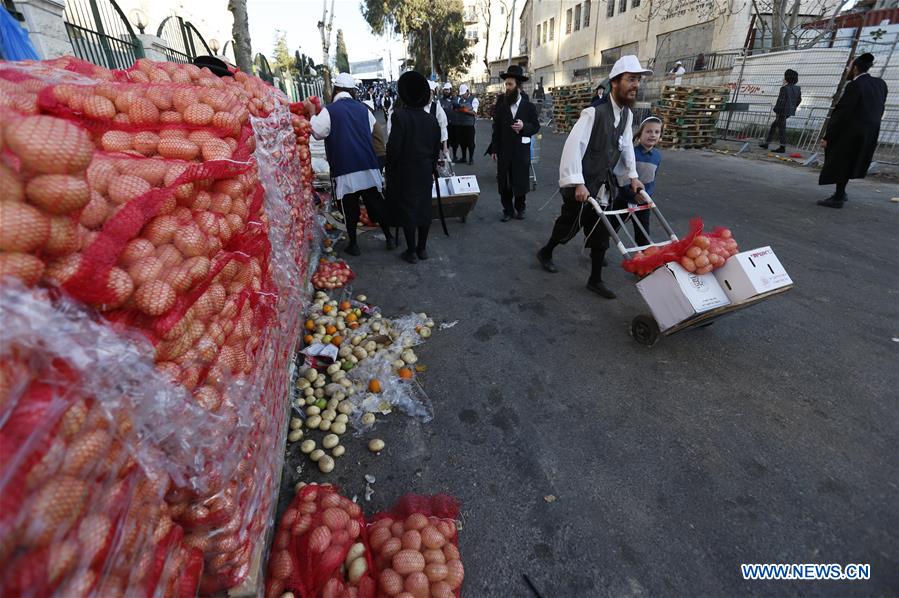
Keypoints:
pixel 648 161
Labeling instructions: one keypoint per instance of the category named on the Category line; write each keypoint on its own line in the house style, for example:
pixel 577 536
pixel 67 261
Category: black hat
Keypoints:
pixel 414 89
pixel 866 59
pixel 514 71
pixel 216 65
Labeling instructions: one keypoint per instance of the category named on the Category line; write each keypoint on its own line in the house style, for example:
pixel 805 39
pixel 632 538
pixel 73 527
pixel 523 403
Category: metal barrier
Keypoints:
pixel 101 34
pixel 713 61
pixel 183 41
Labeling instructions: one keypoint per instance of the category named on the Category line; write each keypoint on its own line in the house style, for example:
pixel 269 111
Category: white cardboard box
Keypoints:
pixel 456 185
pixel 752 273
pixel 673 294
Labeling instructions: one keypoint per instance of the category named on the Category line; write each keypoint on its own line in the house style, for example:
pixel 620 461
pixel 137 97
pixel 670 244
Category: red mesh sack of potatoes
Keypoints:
pixel 81 495
pixel 319 549
pixel 415 547
pixel 644 262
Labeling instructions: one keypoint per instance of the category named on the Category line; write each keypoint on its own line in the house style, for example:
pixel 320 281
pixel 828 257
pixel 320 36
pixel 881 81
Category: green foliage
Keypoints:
pixel 341 60
pixel 410 19
pixel 282 58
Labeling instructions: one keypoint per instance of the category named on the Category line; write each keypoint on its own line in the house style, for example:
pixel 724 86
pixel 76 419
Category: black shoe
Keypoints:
pixel 422 254
pixel 520 215
pixel 832 202
pixel 546 262
pixel 763 145
pixel 409 256
pixel 470 161
pixel 779 150
pixel 353 249
pixel 391 244
pixel 506 218
pixel 600 289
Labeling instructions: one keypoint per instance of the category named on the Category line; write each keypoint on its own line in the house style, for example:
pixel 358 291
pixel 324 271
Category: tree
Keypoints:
pixel 341 60
pixel 240 31
pixel 303 64
pixel 781 18
pixel 412 19
pixel 282 58
pixel 508 13
pixel 325 32
pixel 486 10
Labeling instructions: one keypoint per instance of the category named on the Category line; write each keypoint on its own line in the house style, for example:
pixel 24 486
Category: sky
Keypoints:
pixel 299 20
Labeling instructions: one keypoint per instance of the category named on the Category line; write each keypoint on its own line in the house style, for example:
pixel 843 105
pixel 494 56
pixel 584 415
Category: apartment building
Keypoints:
pixel 493 28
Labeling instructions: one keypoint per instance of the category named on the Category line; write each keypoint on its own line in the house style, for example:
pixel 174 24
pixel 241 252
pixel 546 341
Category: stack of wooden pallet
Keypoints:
pixel 568 101
pixel 689 115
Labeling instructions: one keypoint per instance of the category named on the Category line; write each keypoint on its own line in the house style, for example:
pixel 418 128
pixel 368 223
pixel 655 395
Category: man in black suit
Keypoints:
pixel 514 122
pixel 853 130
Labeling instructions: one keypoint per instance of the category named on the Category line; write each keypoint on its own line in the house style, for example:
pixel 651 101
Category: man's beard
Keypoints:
pixel 624 101
pixel 512 96
pixel 446 95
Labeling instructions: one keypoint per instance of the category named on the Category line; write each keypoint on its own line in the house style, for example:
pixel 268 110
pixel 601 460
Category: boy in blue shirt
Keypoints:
pixel 648 159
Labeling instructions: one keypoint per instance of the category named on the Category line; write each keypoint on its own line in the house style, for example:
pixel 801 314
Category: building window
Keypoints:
pixel 588 5
pixel 538 34
pixel 622 6
pixel 610 8
pixel 552 29
pixel 635 3
pixel 568 18
pixel 577 17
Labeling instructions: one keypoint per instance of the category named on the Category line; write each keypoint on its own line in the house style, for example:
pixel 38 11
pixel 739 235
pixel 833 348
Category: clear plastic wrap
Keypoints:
pixel 197 273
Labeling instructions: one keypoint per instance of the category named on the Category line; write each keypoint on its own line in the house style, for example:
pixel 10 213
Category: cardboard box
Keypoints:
pixel 752 273
pixel 674 295
pixel 456 185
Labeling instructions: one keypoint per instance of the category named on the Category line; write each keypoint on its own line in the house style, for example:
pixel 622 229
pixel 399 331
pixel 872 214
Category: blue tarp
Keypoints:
pixel 14 42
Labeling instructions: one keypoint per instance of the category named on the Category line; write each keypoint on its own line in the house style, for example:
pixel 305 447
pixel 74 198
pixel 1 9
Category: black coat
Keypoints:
pixel 412 150
pixel 853 130
pixel 513 158
pixel 789 97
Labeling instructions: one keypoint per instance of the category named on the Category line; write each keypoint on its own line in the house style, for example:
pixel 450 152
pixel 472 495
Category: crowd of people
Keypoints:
pixel 602 157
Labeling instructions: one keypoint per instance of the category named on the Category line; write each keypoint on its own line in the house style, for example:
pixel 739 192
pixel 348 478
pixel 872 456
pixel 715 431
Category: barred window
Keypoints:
pixel 568 16
pixel 552 29
pixel 577 17
pixel 588 5
pixel 610 8
pixel 635 3
pixel 622 6
pixel 538 34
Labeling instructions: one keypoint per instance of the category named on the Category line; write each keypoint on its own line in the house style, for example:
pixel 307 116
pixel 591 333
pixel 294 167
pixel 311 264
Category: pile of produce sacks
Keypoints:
pixel 155 243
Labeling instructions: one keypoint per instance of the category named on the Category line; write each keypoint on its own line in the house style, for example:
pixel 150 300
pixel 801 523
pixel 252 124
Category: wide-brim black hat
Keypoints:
pixel 514 71
pixel 216 65
pixel 414 89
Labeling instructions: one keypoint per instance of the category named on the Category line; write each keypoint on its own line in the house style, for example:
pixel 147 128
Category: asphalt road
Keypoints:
pixel 769 437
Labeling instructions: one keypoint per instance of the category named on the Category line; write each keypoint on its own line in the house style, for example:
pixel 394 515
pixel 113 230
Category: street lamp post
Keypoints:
pixel 431 44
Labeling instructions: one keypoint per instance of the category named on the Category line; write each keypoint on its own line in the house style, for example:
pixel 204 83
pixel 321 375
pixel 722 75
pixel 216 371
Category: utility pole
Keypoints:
pixel 512 36
pixel 431 44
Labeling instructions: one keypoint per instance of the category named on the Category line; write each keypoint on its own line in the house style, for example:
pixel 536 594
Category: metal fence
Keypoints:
pixel 183 41
pixel 708 62
pixel 101 34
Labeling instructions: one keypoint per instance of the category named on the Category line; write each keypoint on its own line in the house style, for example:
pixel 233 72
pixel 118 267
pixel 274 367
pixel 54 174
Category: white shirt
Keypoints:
pixel 441 120
pixel 514 107
pixel 571 172
pixel 354 181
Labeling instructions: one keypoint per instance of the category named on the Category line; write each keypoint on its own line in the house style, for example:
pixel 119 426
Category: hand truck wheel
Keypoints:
pixel 645 330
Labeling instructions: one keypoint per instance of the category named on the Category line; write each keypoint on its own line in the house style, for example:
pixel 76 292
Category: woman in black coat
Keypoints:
pixel 789 97
pixel 853 131
pixel 412 149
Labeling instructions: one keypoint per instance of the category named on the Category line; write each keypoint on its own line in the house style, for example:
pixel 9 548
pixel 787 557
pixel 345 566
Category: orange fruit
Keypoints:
pixel 351 317
pixel 344 306
pixel 337 340
pixel 327 309
pixel 374 385
pixel 308 339
pixel 354 325
pixel 331 329
pixel 310 325
pixel 405 373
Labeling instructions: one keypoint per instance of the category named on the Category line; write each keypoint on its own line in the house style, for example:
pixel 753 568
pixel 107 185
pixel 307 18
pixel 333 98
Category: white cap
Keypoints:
pixel 628 64
pixel 447 85
pixel 678 62
pixel 432 85
pixel 345 80
pixel 463 89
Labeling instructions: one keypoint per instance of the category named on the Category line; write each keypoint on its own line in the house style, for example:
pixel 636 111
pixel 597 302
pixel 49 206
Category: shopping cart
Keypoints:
pixel 644 328
pixel 535 158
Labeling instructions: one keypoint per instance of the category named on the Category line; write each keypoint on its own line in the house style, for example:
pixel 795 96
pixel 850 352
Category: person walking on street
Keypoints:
pixel 789 97
pixel 346 125
pixel 514 122
pixel 466 116
pixel 413 145
pixel 600 137
pixel 446 102
pixel 436 110
pixel 853 130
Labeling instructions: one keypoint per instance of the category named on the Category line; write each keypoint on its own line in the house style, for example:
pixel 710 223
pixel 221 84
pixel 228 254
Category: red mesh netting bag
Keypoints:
pixel 319 548
pixel 696 252
pixel 415 547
